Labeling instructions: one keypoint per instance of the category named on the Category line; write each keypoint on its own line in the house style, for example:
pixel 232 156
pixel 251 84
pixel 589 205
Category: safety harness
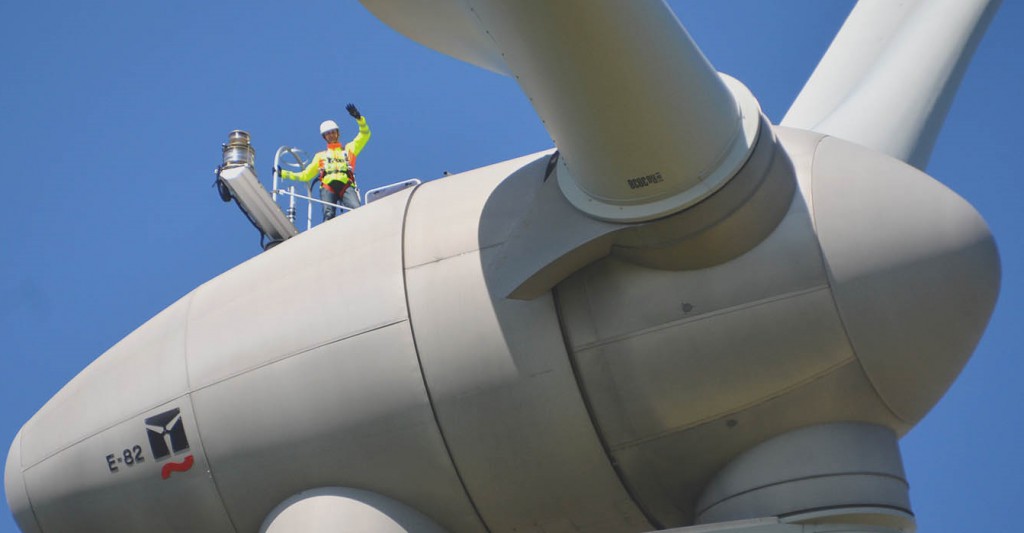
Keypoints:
pixel 337 173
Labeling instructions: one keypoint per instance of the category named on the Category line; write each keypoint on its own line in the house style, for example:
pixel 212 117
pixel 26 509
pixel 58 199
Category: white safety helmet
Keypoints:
pixel 328 125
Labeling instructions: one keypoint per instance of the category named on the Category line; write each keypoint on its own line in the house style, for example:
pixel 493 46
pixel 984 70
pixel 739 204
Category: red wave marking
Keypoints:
pixel 183 466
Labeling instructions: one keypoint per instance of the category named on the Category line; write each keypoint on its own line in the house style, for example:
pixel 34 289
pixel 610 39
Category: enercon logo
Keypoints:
pixel 166 432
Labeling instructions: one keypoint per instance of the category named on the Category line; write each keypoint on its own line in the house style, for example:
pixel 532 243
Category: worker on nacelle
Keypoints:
pixel 335 165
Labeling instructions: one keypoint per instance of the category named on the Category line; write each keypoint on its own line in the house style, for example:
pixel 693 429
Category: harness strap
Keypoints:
pixel 335 185
pixel 331 165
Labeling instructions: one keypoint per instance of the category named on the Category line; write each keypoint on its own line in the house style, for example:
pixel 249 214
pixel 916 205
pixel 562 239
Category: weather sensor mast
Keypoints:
pixel 236 179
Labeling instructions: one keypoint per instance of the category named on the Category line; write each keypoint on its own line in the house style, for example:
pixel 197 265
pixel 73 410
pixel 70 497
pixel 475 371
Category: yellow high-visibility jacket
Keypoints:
pixel 335 160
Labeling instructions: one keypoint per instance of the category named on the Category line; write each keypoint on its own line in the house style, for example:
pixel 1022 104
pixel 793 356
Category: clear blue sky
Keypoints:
pixel 111 119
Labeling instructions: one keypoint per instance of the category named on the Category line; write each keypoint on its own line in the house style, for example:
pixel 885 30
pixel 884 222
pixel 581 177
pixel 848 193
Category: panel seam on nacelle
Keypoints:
pixel 195 415
pixel 209 466
pixel 806 478
pixel 447 257
pixel 184 338
pixel 199 429
pixel 605 446
pixel 705 316
pixel 24 484
pixel 190 297
pixel 302 351
pixel 419 362
pixel 739 409
pixel 112 425
pixel 829 280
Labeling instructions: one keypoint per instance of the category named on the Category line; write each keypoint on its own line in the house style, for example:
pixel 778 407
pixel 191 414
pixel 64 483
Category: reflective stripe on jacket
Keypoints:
pixel 335 160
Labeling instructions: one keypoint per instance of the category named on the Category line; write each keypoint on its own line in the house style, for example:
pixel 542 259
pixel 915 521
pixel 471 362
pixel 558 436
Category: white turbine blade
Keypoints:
pixel 447 26
pixel 863 38
pixel 644 124
pixel 891 74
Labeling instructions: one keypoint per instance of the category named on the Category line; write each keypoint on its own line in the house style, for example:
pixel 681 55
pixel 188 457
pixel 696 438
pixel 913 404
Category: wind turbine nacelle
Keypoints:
pixel 378 358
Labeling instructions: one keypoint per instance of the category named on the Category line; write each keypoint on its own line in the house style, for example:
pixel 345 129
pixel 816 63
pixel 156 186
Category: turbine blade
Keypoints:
pixel 447 26
pixel 890 76
pixel 644 124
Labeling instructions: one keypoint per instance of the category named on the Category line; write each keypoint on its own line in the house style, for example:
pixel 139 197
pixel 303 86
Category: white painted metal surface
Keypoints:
pixel 889 233
pixel 448 26
pixel 891 74
pixel 598 76
pixel 815 289
pixel 499 376
pixel 811 469
pixel 331 509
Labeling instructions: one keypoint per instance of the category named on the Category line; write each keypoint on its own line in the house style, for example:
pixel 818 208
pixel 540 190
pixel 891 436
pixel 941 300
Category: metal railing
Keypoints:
pixel 300 163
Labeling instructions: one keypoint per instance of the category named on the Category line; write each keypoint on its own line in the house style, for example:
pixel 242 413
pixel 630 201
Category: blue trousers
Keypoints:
pixel 349 199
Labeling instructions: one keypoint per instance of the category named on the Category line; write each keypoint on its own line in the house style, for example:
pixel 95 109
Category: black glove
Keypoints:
pixel 351 108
